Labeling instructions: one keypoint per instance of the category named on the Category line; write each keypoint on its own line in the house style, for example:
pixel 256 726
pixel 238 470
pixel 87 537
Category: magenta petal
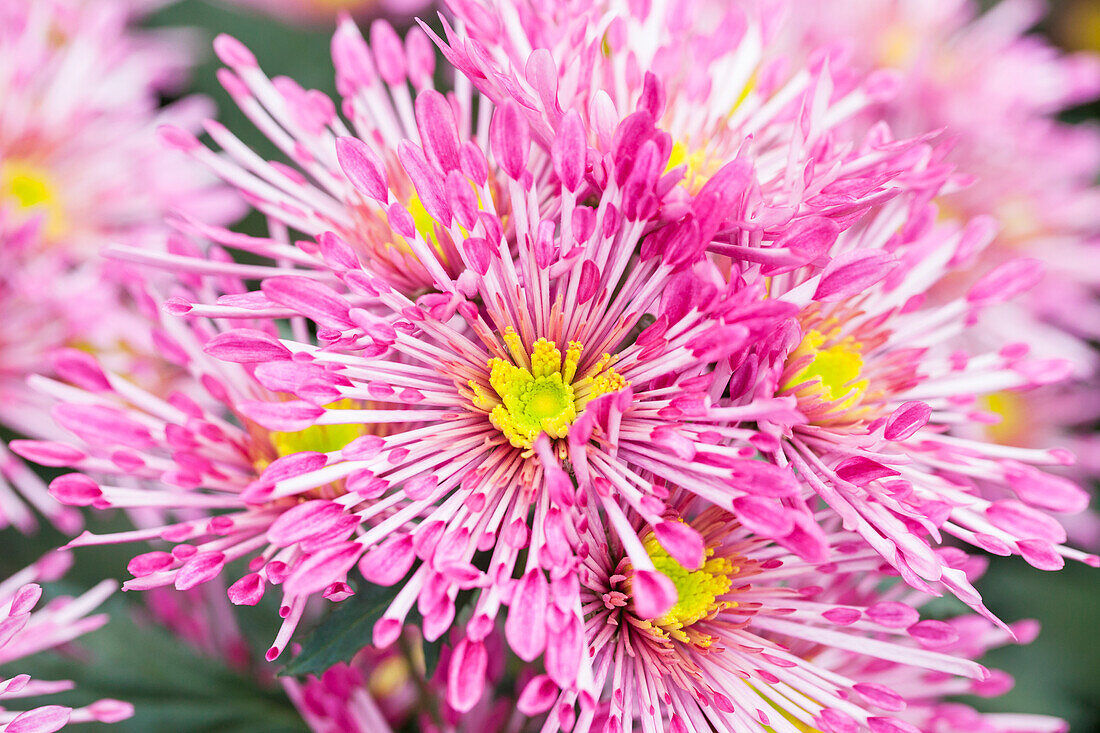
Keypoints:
pixel 907 420
pixel 654 594
pixel 1006 281
pixel 509 139
pixel 309 298
pixel 247 591
pixel 852 272
pixel 323 567
pixel 569 151
pixel 303 520
pixel 75 489
pixel 466 675
pixel 390 561
pixel 525 626
pixel 285 416
pixel 537 696
pixel 246 346
pixel 199 569
pixel 682 542
pixel 363 168
pixel 45 719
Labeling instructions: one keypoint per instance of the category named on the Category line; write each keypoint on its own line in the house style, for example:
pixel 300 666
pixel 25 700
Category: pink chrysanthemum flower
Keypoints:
pixel 24 631
pixel 993 88
pixel 807 180
pixel 564 359
pixel 76 138
pixel 875 374
pixel 760 640
pixel 154 451
pixel 80 166
pixel 328 187
pixel 848 313
pixel 367 694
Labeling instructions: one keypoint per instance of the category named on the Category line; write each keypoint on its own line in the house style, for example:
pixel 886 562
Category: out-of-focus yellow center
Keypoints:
pixel 31 187
pixel 1012 409
pixel 342 4
pixel 422 220
pixel 1080 25
pixel 425 226
pixel 698 592
pixel 833 372
pixel 700 164
pixel 543 393
pixel 1019 220
pixel 319 438
pixel 896 47
pixel 391 674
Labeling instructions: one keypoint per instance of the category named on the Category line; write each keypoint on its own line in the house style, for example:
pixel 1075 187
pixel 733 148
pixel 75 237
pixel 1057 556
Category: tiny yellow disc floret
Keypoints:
pixel 543 393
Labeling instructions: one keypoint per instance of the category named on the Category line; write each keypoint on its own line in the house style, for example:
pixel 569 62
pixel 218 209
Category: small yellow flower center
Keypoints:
pixel 319 438
pixel 897 46
pixel 423 221
pixel 1012 409
pixel 697 591
pixel 30 187
pixel 544 394
pixel 833 372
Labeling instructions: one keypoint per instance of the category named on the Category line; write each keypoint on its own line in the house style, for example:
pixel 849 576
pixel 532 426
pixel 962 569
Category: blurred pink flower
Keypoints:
pixel 996 90
pixel 81 168
pixel 325 11
pixel 24 631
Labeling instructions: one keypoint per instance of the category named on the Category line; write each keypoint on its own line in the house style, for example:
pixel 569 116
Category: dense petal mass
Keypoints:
pixel 877 376
pixel 643 354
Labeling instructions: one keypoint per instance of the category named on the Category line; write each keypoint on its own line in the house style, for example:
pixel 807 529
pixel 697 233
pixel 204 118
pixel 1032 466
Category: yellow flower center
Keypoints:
pixel 319 438
pixel 30 187
pixel 1012 408
pixel 543 395
pixel 697 591
pixel 833 372
pixel 897 46
pixel 424 223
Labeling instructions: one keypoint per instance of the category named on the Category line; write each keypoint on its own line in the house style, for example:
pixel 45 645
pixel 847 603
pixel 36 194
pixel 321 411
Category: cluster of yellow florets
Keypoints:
pixel 540 391
pixel 698 593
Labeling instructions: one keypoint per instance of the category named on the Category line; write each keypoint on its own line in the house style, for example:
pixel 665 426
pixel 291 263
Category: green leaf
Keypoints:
pixel 345 631
pixel 432 650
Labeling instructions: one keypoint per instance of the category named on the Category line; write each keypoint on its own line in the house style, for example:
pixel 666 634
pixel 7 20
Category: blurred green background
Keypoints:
pixel 177 690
